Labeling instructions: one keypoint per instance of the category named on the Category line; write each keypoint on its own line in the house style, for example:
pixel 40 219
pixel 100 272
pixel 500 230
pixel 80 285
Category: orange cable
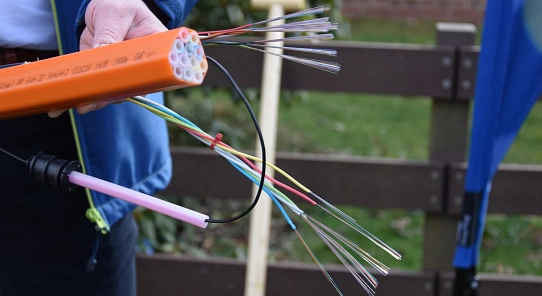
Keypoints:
pixel 153 63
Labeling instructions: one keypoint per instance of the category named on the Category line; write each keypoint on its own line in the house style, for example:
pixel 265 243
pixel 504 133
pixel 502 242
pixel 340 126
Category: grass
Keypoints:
pixel 526 148
pixel 365 125
pixel 368 125
pixel 512 244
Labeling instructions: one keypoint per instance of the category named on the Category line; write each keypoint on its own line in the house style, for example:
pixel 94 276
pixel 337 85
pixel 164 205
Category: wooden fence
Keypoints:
pixel 446 73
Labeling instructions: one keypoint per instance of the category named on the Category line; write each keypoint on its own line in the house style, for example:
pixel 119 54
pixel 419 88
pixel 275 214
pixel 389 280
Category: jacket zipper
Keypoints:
pixel 92 213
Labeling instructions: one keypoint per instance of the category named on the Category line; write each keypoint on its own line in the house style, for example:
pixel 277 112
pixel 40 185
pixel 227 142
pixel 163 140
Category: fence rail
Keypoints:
pixel 201 172
pixel 167 275
pixel 444 72
pixel 379 68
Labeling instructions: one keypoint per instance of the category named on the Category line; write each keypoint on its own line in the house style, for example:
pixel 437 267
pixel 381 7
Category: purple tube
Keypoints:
pixel 174 58
pixel 184 60
pixel 141 199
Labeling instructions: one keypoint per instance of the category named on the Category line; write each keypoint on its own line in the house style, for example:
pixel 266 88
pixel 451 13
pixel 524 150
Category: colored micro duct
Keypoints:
pixel 176 59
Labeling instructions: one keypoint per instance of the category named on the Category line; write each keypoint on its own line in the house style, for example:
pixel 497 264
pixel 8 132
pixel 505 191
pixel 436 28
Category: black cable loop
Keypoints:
pixel 262 144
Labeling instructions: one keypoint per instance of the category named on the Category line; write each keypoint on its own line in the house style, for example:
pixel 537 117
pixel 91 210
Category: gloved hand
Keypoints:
pixel 111 21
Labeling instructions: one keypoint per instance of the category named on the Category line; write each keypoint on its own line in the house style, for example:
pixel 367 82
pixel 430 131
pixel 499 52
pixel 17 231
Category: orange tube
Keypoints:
pixel 157 62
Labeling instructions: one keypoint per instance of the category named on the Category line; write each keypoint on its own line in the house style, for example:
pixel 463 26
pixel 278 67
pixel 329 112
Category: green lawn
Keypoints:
pixel 368 125
pixel 365 125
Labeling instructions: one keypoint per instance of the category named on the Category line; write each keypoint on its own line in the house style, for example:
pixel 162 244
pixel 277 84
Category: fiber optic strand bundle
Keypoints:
pixel 157 62
pixel 304 31
pixel 346 250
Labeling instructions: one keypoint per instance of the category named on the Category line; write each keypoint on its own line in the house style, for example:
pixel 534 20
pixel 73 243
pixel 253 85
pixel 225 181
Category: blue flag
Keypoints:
pixel 509 81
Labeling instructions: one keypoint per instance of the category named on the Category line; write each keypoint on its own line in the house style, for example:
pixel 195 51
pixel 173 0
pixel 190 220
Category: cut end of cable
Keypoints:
pixel 340 246
pixel 350 222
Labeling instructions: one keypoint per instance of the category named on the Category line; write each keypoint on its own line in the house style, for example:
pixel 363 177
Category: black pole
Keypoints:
pixel 466 282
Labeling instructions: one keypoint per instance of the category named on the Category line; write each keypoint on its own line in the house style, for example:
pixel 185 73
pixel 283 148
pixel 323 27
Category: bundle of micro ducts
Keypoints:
pixel 158 62
pixel 187 57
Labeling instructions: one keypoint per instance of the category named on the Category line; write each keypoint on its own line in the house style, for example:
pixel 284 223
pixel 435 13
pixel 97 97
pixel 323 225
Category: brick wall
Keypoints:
pixel 438 10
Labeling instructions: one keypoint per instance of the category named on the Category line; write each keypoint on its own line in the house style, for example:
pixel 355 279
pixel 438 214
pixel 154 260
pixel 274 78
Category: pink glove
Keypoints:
pixel 111 21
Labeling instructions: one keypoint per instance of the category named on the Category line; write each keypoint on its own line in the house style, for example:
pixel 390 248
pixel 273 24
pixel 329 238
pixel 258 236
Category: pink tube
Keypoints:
pixel 178 71
pixel 184 34
pixel 141 199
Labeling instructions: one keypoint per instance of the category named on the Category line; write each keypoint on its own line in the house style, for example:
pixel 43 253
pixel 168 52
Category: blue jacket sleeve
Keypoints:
pixel 176 10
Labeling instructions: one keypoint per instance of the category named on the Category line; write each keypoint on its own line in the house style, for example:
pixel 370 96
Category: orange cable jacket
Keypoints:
pixel 117 71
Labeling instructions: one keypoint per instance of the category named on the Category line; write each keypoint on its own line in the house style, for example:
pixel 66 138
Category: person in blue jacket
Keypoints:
pixel 53 243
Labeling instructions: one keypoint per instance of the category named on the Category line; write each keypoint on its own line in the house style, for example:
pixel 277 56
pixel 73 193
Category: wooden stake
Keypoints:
pixel 260 218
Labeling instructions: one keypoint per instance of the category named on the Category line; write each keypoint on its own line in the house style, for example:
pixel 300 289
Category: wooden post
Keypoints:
pixel 449 132
pixel 260 218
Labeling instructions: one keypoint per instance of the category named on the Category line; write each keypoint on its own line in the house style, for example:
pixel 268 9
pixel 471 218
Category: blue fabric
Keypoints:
pixel 80 20
pixel 176 10
pixel 127 145
pixel 65 13
pixel 509 81
pixel 124 143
